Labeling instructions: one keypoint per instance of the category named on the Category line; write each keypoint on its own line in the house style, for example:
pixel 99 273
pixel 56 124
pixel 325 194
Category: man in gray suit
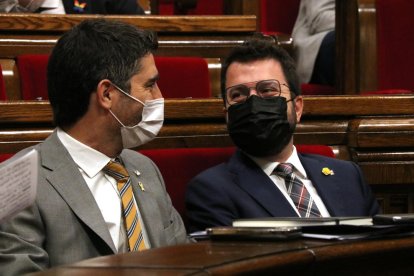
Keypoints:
pixel 102 83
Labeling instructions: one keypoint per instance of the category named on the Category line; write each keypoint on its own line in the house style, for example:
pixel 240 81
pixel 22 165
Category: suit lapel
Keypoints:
pixel 326 185
pixel 65 177
pixel 260 187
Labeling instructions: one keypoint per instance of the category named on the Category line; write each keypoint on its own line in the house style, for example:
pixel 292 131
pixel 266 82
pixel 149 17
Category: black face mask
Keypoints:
pixel 260 126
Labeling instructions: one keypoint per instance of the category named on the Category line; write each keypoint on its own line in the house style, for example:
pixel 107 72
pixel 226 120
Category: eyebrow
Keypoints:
pixel 152 80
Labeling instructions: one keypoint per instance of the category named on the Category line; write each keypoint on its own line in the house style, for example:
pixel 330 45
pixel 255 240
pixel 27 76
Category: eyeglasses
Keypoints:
pixel 241 92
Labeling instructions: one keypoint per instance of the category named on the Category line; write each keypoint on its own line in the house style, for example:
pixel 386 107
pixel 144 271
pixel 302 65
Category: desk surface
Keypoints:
pixel 297 257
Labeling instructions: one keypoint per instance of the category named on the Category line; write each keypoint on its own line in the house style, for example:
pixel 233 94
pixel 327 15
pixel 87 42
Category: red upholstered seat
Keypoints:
pixel 317 89
pixel 3 95
pixel 5 156
pixel 183 77
pixel 33 80
pixel 178 166
pixel 395 42
pixel 180 77
pixel 316 149
pixel 207 7
pixel 278 15
pixel 202 7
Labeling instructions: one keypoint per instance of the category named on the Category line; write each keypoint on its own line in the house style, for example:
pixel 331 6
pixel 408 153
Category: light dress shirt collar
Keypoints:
pixel 269 166
pixel 88 159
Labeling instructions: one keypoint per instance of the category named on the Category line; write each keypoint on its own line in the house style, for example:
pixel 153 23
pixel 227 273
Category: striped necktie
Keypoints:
pixel 297 191
pixel 129 210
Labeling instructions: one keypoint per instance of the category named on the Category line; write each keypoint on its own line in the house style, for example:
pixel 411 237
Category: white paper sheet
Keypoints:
pixel 18 183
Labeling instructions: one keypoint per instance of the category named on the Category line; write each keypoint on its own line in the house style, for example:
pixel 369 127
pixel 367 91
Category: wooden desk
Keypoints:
pixel 299 257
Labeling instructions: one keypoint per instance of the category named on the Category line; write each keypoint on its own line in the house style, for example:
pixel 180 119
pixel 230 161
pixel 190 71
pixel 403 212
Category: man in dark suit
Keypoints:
pixel 263 104
pixel 102 84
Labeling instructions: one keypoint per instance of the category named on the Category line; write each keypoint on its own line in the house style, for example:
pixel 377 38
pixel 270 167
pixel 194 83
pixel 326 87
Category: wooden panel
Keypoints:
pixel 356 46
pixel 346 40
pixel 205 36
pixel 211 37
pixel 11 78
pixel 359 105
pixel 382 132
pixel 367 45
pixel 61 23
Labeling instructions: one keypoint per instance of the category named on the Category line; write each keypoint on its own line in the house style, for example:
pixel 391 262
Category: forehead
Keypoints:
pixel 238 72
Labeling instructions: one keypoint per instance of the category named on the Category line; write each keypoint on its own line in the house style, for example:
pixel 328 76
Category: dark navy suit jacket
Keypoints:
pixel 240 189
pixel 104 7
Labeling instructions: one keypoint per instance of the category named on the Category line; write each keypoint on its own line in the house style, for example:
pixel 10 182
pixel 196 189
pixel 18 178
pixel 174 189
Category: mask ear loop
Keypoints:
pixel 127 94
pixel 116 118
pixel 291 99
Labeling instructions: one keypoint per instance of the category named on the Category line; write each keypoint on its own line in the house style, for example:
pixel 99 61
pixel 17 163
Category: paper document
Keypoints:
pixel 18 183
pixel 299 222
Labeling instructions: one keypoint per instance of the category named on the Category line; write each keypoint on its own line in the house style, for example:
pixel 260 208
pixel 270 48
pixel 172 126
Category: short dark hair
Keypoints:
pixel 260 47
pixel 94 50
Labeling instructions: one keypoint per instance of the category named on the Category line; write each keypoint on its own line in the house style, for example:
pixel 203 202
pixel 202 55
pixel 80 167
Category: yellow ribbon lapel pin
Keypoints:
pixel 141 186
pixel 327 171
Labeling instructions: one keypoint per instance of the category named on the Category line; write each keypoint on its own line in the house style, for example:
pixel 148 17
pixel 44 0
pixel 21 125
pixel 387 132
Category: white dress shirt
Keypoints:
pixel 103 187
pixel 268 168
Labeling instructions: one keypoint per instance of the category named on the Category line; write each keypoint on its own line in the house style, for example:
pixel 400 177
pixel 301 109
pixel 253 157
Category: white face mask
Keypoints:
pixel 148 128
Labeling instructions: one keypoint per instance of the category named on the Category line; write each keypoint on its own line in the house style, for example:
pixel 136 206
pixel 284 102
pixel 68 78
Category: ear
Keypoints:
pixel 298 102
pixel 104 93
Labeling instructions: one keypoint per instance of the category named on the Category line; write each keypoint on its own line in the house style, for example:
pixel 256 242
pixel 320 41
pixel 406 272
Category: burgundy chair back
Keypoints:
pixel 5 156
pixel 395 42
pixel 3 95
pixel 317 89
pixel 183 77
pixel 207 7
pixel 316 149
pixel 180 77
pixel 202 7
pixel 33 80
pixel 278 15
pixel 179 165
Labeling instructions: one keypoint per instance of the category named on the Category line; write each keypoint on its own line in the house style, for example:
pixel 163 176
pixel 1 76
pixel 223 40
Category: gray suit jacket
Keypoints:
pixel 65 225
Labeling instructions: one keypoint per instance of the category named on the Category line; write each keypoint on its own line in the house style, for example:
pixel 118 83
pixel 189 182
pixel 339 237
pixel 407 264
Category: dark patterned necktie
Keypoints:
pixel 297 191
pixel 131 221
